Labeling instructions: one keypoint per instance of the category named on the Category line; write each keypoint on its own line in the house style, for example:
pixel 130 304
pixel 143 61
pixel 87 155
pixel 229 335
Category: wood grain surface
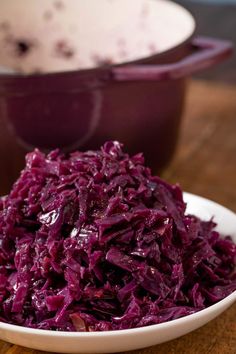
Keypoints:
pixel 205 164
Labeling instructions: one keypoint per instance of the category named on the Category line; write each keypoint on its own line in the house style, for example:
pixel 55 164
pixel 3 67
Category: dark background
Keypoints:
pixel 217 19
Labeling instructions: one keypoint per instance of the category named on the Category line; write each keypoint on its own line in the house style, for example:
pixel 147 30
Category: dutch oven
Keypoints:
pixel 123 79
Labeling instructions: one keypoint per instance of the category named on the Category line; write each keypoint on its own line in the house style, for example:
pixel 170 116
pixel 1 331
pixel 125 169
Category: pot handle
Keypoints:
pixel 208 52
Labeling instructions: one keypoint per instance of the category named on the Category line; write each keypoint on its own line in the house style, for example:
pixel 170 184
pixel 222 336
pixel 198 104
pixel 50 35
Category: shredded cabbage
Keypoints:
pixel 93 242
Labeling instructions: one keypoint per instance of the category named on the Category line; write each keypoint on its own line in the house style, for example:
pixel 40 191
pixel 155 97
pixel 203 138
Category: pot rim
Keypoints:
pixel 102 69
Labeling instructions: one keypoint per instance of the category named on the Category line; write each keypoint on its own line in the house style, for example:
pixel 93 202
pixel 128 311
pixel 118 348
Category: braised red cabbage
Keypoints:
pixel 93 242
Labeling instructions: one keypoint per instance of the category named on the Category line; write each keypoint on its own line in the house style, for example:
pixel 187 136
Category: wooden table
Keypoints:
pixel 205 164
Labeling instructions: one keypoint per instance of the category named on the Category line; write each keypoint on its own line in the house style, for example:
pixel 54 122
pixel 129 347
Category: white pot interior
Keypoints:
pixel 59 35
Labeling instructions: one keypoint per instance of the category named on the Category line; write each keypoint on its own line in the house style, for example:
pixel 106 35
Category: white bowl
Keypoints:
pixel 123 340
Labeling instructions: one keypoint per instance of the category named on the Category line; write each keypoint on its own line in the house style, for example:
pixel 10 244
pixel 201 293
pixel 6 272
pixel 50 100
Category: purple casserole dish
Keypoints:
pixel 138 102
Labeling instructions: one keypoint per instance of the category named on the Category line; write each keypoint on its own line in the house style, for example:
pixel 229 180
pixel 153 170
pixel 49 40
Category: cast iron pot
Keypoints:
pixel 139 102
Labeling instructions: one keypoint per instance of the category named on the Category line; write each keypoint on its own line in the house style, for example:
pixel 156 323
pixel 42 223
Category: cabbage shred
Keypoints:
pixel 91 241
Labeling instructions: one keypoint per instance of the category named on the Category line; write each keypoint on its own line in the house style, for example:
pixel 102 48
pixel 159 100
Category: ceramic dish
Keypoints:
pixel 123 340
